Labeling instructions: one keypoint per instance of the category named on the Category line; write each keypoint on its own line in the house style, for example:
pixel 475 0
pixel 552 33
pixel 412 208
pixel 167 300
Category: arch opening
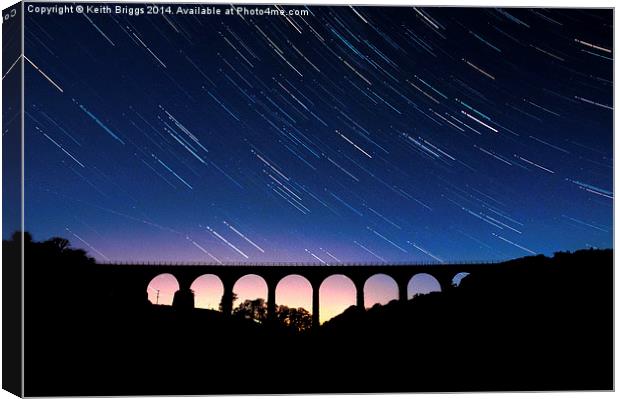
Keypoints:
pixel 161 289
pixel 379 289
pixel 294 302
pixel 208 290
pixel 456 281
pixel 336 294
pixel 294 291
pixel 422 283
pixel 250 298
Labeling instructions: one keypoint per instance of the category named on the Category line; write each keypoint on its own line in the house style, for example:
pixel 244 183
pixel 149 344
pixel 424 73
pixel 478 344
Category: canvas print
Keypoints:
pixel 280 199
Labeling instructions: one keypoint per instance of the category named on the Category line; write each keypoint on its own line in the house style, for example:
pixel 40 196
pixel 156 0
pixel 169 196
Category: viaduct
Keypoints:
pixel 134 278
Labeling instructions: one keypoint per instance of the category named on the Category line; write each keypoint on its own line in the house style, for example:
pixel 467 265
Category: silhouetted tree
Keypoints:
pixel 298 319
pixel 17 237
pixel 252 309
pixel 59 243
pixel 221 305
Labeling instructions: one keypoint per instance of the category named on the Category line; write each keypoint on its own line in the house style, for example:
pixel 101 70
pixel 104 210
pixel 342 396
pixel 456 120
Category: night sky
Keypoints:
pixel 366 134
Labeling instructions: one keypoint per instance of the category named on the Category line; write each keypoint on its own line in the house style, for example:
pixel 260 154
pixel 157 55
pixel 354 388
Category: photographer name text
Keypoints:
pixel 154 9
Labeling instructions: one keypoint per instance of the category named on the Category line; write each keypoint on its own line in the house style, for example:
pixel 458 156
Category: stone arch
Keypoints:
pixel 297 292
pixel 422 283
pixel 341 293
pixel 161 289
pixel 379 288
pixel 208 290
pixel 250 286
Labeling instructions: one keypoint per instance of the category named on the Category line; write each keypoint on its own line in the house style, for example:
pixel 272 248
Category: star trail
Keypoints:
pixel 339 134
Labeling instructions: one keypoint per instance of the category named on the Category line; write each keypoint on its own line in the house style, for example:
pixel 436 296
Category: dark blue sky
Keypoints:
pixel 348 134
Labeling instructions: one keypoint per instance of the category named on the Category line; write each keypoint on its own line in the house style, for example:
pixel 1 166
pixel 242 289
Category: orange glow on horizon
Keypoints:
pixel 161 289
pixel 249 287
pixel 294 291
pixel 336 294
pixel 208 291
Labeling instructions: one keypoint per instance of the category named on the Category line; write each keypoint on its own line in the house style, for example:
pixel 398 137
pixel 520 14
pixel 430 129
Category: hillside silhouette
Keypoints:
pixel 540 324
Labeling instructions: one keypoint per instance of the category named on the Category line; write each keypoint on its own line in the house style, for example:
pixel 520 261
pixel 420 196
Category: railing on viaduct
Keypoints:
pixel 136 277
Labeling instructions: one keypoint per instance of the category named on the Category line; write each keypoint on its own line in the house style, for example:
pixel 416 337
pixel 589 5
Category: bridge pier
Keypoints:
pixel 444 280
pixel 227 297
pixel 359 293
pixel 316 321
pixel 360 299
pixel 271 300
pixel 402 288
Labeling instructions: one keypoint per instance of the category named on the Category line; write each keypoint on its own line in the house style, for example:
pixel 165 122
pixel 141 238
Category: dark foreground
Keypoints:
pixel 544 324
